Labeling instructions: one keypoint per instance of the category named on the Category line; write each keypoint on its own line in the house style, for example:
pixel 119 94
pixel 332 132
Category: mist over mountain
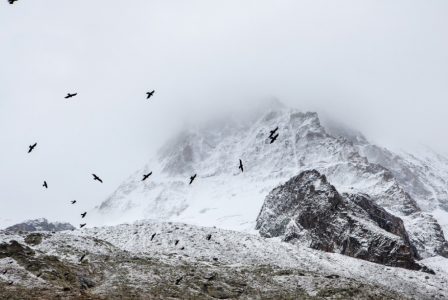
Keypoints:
pixel 225 197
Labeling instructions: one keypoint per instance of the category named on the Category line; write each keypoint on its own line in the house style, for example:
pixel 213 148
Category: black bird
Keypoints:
pixel 273 131
pixel 176 242
pixel 10 283
pixel 12 1
pixel 32 147
pixel 182 248
pixel 45 185
pixel 97 178
pixel 82 225
pixel 178 280
pixel 152 237
pixel 149 94
pixel 146 176
pixel 4 272
pixel 74 201
pixel 84 214
pixel 241 166
pixel 274 138
pixel 211 277
pixel 192 178
pixel 70 95
pixel 82 257
pixel 209 237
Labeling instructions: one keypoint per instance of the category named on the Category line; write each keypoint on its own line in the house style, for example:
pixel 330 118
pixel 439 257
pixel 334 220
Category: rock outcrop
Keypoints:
pixel 309 210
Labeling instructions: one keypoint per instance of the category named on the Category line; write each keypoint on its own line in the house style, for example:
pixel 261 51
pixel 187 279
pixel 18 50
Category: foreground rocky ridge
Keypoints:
pixel 308 210
pixel 220 197
pixel 122 262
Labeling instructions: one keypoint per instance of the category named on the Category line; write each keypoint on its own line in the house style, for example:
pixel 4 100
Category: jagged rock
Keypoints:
pixel 309 210
pixel 41 224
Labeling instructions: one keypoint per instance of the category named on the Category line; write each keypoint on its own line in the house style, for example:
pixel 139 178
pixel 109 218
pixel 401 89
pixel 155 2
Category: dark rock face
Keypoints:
pixel 309 210
pixel 40 225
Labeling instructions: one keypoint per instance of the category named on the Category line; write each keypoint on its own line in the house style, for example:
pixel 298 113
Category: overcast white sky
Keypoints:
pixel 381 66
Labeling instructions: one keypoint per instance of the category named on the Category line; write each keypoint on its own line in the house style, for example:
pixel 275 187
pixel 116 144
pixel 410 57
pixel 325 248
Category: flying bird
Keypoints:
pixel 209 237
pixel 12 1
pixel 97 178
pixel 74 201
pixel 273 131
pixel 4 272
pixel 70 95
pixel 149 94
pixel 241 166
pixel 146 176
pixel 176 242
pixel 82 225
pixel 10 283
pixel 45 185
pixel 84 214
pixel 274 138
pixel 152 237
pixel 178 280
pixel 82 257
pixel 32 147
pixel 192 178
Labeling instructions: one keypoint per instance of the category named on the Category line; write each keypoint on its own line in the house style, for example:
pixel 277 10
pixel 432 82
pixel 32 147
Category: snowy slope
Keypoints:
pixel 223 196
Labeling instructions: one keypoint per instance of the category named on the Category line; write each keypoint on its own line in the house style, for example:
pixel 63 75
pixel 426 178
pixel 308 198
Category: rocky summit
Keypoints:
pixel 308 210
pixel 225 197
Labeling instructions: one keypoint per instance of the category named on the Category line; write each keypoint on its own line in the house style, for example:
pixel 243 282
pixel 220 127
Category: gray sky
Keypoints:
pixel 380 66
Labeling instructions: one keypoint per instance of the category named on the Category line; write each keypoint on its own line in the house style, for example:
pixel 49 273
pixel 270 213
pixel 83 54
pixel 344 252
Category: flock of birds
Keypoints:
pixel 273 136
pixel 95 177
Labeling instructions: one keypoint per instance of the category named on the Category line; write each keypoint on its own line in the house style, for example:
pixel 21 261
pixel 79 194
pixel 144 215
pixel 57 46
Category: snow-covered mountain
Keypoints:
pixel 225 197
pixel 41 224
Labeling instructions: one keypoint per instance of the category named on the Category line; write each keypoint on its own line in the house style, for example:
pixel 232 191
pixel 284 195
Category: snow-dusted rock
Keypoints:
pixel 308 210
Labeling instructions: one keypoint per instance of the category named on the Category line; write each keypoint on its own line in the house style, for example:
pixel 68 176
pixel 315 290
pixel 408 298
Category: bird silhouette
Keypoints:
pixel 74 201
pixel 32 147
pixel 45 185
pixel 209 237
pixel 182 248
pixel 211 277
pixel 82 225
pixel 273 131
pixel 241 166
pixel 10 283
pixel 70 95
pixel 176 242
pixel 192 178
pixel 178 280
pixel 146 176
pixel 12 1
pixel 97 178
pixel 4 272
pixel 84 214
pixel 152 237
pixel 274 138
pixel 82 257
pixel 149 94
